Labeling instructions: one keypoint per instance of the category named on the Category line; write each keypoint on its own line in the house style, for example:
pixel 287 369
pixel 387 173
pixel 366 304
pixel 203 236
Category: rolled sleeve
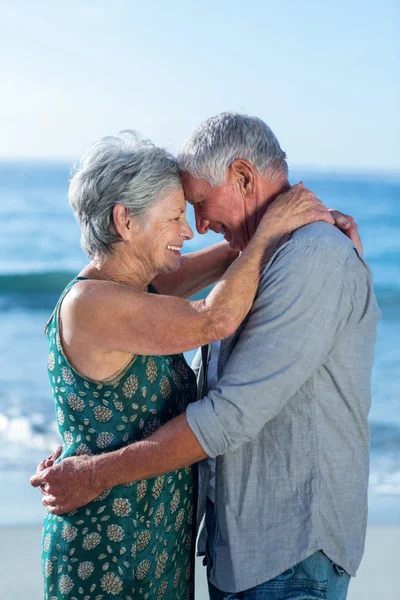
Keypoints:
pixel 302 304
pixel 206 426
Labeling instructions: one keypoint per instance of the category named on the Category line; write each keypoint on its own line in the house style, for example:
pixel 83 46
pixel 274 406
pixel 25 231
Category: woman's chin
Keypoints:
pixel 171 265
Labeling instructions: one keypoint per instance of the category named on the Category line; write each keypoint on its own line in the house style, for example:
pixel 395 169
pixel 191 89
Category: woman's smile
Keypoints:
pixel 175 249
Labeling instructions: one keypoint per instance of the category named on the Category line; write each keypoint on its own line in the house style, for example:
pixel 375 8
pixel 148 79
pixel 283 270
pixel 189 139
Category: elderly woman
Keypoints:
pixel 116 367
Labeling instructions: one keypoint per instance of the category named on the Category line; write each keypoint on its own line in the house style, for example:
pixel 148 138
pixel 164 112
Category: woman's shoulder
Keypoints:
pixel 82 292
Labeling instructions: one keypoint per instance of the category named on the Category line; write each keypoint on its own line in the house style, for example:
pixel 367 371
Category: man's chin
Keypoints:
pixel 236 246
pixel 234 241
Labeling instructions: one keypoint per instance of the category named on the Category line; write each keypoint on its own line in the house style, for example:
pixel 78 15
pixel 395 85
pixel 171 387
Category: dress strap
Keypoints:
pixel 151 289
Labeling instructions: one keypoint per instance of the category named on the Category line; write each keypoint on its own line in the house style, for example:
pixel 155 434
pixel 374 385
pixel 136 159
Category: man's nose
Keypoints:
pixel 202 224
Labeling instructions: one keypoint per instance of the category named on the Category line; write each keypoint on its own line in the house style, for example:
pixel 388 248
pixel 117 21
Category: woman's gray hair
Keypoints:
pixel 222 139
pixel 118 170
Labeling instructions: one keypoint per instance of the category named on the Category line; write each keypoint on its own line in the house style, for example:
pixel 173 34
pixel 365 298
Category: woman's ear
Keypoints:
pixel 244 176
pixel 122 221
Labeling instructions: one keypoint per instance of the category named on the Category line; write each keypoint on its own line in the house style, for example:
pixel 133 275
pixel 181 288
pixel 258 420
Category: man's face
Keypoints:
pixel 220 209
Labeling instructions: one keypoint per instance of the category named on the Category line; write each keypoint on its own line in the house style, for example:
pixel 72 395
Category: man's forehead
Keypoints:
pixel 195 189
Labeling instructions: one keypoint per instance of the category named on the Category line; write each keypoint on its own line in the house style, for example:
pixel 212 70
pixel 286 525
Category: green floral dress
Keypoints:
pixel 135 540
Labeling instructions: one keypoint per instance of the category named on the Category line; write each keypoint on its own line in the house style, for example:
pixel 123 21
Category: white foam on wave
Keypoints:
pixel 384 478
pixel 27 440
pixel 23 444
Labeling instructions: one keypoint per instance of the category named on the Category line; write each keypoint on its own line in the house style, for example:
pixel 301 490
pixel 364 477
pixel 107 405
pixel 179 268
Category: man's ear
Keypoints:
pixel 122 221
pixel 244 175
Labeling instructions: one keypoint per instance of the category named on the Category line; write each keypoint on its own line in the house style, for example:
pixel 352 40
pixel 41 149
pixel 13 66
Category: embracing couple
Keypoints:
pixel 275 429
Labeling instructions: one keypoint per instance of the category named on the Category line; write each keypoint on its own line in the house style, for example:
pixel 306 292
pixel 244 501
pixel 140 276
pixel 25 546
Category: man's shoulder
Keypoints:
pixel 321 235
pixel 315 245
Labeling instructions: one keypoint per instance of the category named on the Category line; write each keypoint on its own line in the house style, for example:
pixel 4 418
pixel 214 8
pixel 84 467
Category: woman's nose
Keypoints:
pixel 188 232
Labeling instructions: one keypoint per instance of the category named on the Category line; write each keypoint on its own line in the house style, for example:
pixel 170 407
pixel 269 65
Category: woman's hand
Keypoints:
pixel 348 226
pixel 299 206
pixel 290 211
pixel 296 208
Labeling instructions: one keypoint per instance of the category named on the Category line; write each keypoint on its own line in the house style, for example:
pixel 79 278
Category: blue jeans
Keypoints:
pixel 315 578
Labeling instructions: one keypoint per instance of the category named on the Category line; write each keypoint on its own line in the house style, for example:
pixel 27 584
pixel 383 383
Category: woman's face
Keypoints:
pixel 162 231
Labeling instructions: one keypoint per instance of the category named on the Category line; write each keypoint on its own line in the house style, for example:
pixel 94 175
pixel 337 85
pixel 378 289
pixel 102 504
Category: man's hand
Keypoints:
pixel 349 227
pixel 66 485
pixel 49 461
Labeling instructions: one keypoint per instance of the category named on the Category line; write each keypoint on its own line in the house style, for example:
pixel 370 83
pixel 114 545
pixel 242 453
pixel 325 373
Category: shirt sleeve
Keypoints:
pixel 302 304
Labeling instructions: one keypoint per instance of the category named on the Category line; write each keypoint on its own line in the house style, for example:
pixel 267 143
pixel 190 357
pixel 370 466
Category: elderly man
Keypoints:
pixel 284 424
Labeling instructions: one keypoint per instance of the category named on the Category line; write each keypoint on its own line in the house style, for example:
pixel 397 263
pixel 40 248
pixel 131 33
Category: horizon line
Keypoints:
pixel 306 168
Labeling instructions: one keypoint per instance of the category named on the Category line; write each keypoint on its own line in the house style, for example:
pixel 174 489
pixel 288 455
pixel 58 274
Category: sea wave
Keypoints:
pixel 53 282
pixel 34 283
pixel 385 438
pixel 384 479
pixel 29 439
pixel 26 441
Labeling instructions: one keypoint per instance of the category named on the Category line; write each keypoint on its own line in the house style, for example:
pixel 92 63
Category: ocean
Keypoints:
pixel 40 253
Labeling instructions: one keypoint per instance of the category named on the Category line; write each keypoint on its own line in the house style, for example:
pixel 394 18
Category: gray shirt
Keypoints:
pixel 288 419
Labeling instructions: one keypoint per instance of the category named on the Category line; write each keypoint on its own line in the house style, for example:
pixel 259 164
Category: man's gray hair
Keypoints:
pixel 222 139
pixel 118 170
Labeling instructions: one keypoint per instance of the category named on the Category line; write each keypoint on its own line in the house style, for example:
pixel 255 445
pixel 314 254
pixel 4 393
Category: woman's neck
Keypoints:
pixel 119 267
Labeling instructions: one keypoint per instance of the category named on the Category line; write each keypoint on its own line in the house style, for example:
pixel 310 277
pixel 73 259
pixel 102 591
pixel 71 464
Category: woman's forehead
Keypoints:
pixel 172 202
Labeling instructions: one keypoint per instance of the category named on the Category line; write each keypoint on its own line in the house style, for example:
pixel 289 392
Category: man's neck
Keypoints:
pixel 267 194
pixel 270 190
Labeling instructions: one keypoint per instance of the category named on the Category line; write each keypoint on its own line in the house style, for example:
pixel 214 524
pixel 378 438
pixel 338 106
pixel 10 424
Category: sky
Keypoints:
pixel 323 75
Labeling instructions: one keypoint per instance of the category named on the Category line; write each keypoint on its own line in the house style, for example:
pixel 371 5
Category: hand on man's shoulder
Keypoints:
pixel 322 234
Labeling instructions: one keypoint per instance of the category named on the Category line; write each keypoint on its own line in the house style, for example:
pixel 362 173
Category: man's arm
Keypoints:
pixel 77 480
pixel 204 267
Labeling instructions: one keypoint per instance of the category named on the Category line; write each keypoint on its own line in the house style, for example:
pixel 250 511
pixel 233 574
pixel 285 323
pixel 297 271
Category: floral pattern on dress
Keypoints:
pixel 134 540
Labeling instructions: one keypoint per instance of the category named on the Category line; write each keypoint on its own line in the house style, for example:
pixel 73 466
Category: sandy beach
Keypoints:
pixel 20 573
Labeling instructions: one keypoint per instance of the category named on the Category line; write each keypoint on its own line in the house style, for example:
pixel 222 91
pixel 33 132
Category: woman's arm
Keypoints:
pixel 197 271
pixel 116 318
pixel 204 267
